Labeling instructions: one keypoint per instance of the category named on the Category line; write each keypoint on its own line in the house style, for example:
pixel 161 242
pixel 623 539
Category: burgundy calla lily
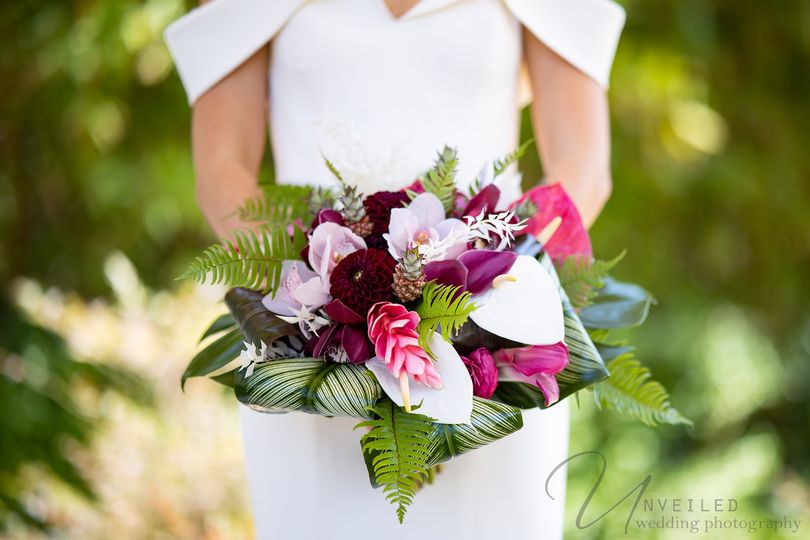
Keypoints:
pixel 536 365
pixel 473 271
pixel 327 215
pixel 484 201
pixel 347 333
pixel 571 237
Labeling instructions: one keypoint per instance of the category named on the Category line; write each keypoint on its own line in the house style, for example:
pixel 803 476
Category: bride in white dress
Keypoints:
pixel 379 86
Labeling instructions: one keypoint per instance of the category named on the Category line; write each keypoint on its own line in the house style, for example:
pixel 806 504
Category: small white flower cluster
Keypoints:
pixel 252 355
pixel 309 322
pixel 485 227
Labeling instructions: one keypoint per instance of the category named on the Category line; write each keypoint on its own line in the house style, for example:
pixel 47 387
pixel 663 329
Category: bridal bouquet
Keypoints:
pixel 431 315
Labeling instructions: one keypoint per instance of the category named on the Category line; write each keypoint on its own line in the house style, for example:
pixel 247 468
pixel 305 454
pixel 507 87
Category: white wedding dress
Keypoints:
pixel 379 96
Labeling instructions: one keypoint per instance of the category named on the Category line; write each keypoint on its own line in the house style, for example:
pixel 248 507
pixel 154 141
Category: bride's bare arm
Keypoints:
pixel 229 124
pixel 571 123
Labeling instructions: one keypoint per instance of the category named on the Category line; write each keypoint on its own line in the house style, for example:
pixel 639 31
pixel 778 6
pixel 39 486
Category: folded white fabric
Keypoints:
pixel 212 40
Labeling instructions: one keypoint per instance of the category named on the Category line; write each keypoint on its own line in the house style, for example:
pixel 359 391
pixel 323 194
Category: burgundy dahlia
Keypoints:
pixel 379 206
pixel 363 278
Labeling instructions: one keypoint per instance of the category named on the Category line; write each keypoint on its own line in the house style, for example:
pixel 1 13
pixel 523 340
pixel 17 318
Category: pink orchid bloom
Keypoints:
pixel 329 243
pixel 571 237
pixel 294 293
pixel 392 330
pixel 536 365
pixel 419 223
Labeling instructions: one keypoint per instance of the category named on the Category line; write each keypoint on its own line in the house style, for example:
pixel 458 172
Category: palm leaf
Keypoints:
pixel 580 276
pixel 398 448
pixel 309 385
pixel 440 180
pixel 443 309
pixel 253 261
pixel 630 391
pixel 278 205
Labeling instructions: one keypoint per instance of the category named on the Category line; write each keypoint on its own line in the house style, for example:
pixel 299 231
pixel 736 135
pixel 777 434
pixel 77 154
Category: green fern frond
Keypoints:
pixel 500 165
pixel 252 261
pixel 441 179
pixel 399 445
pixel 442 309
pixel 278 205
pixel 630 391
pixel 580 276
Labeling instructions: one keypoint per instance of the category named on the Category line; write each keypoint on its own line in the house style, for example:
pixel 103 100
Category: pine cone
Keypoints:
pixel 407 289
pixel 362 227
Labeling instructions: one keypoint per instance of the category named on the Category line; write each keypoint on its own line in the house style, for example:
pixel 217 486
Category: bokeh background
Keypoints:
pixel 97 217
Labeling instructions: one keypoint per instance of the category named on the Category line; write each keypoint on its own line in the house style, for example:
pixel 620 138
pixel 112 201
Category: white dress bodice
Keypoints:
pixel 379 97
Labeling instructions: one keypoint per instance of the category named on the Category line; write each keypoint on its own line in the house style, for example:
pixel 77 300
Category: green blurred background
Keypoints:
pixel 97 216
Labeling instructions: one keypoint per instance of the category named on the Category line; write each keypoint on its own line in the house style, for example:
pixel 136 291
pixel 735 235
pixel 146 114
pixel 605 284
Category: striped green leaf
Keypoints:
pixel 309 385
pixel 489 422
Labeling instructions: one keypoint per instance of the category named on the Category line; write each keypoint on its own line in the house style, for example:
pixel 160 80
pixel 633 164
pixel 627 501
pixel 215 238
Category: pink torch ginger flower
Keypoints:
pixel 392 330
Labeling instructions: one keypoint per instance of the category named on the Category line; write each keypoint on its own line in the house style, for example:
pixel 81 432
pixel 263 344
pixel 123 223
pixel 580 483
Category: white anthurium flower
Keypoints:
pixel 523 305
pixel 450 404
pixel 250 356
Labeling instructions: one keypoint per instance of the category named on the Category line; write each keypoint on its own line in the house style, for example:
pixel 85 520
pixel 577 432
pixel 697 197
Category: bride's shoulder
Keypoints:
pixel 212 40
pixel 584 32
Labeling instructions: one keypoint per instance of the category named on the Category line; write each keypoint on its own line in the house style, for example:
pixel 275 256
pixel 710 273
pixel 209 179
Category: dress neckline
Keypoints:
pixel 400 16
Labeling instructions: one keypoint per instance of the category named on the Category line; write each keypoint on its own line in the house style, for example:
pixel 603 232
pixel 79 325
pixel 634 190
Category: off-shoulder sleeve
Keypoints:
pixel 214 39
pixel 584 32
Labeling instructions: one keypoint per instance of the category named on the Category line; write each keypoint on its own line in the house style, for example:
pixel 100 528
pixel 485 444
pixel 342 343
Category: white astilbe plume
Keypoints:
pixel 369 165
pixel 494 227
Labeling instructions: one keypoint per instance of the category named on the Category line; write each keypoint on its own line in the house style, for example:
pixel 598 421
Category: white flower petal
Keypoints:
pixel 528 310
pixel 450 404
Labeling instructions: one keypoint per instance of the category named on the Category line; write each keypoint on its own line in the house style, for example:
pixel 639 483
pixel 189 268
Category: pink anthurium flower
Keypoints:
pixel 571 238
pixel 536 365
